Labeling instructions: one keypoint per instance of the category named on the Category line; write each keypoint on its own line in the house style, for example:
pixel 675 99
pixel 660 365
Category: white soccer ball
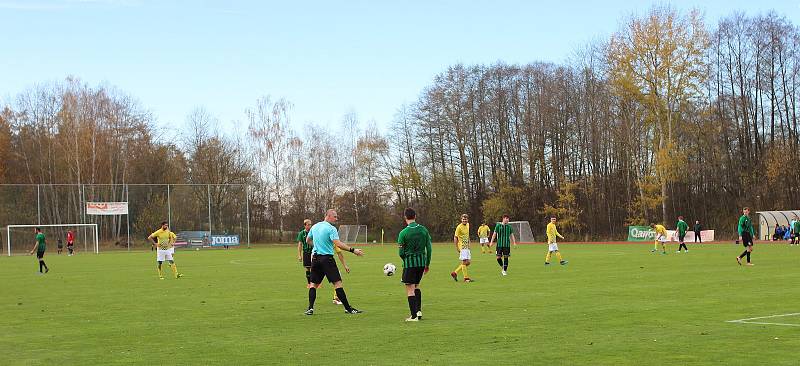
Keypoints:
pixel 388 269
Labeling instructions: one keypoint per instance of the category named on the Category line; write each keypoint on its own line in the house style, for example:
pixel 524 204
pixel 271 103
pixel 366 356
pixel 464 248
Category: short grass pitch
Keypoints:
pixel 612 304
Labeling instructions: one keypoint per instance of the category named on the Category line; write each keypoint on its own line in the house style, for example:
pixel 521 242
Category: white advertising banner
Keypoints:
pixel 706 236
pixel 106 208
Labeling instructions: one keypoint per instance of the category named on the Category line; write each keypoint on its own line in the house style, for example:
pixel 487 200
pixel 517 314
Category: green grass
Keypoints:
pixel 613 304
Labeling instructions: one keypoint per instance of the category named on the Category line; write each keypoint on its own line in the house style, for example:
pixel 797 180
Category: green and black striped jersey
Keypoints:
pixel 301 237
pixel 503 234
pixel 414 243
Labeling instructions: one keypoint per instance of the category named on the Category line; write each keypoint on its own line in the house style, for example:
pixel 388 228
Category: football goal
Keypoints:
pixel 522 232
pixel 20 238
pixel 353 234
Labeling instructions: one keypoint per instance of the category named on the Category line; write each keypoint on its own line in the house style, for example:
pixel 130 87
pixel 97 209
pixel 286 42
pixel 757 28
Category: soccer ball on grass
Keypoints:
pixel 388 269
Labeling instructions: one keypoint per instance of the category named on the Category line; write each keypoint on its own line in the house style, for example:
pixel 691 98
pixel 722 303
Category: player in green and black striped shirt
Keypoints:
pixel 414 244
pixel 304 250
pixel 40 247
pixel 504 233
pixel 746 234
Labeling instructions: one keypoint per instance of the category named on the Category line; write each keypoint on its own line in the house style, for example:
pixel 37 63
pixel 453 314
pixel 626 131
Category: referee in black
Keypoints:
pixel 414 243
pixel 746 234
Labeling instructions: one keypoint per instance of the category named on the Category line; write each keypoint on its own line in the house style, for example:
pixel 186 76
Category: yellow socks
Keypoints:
pixel 547 258
pixel 558 254
pixel 174 270
pixel 160 274
pixel 458 268
pixel 464 269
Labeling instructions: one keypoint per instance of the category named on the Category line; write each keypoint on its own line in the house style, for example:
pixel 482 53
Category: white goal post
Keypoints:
pixel 522 232
pixel 353 234
pixel 95 237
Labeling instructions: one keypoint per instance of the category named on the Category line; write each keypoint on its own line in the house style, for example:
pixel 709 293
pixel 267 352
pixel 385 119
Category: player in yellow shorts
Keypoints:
pixel 483 237
pixel 165 240
pixel 461 240
pixel 661 237
pixel 552 245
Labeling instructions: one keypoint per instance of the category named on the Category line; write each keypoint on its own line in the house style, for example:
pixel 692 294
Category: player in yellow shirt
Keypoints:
pixel 661 237
pixel 483 237
pixel 165 240
pixel 461 240
pixel 552 245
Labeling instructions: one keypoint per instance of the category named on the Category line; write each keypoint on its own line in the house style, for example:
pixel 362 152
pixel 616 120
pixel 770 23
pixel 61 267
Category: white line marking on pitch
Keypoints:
pixel 748 320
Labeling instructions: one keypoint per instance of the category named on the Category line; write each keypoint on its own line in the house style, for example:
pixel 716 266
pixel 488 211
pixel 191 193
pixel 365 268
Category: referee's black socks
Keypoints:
pixel 312 296
pixel 343 298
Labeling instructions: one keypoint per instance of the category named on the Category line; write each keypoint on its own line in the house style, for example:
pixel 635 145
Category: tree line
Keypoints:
pixel 669 116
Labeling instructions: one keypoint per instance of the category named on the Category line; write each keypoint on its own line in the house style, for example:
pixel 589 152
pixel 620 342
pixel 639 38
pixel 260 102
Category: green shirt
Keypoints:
pixel 745 225
pixel 503 234
pixel 41 247
pixel 414 243
pixel 301 237
pixel 682 227
pixel 796 227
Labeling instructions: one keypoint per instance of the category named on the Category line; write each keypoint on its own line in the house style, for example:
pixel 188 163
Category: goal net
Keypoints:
pixel 522 232
pixel 353 234
pixel 19 239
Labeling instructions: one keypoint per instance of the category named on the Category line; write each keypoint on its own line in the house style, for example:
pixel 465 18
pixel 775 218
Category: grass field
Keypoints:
pixel 613 304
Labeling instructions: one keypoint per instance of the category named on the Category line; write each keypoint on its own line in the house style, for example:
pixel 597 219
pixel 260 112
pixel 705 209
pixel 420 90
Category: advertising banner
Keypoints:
pixel 106 208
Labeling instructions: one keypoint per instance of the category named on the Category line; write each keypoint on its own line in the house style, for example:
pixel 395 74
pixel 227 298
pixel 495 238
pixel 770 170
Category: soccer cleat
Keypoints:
pixel 652 251
pixel 546 263
pixel 412 319
pixel 46 270
pixel 419 315
pixel 563 262
pixel 454 275
pixel 749 264
pixel 504 273
pixel 353 311
pixel 337 302
pixel 679 252
pixel 179 275
pixel 467 279
pixel 739 260
pixel 309 311
pixel 663 252
pixel 160 277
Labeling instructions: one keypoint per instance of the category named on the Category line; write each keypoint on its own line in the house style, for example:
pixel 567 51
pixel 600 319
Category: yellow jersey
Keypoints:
pixel 660 229
pixel 166 238
pixel 462 233
pixel 552 233
pixel 483 231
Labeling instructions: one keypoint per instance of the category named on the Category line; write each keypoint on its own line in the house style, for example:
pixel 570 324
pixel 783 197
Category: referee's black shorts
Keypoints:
pixel 324 266
pixel 412 276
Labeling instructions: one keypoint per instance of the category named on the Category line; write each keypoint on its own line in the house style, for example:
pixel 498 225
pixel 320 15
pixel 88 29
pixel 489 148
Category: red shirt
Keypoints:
pixel 70 237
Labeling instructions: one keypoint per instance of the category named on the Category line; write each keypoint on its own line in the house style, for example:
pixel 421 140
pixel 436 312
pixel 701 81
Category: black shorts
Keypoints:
pixel 504 251
pixel 40 255
pixel 680 237
pixel 412 276
pixel 306 259
pixel 60 246
pixel 747 240
pixel 69 245
pixel 324 266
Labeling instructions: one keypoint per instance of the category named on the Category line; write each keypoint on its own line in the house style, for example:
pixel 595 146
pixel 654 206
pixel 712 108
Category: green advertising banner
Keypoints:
pixel 641 233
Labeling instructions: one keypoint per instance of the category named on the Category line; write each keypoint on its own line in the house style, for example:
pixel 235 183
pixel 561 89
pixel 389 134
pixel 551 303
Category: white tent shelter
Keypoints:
pixel 768 220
